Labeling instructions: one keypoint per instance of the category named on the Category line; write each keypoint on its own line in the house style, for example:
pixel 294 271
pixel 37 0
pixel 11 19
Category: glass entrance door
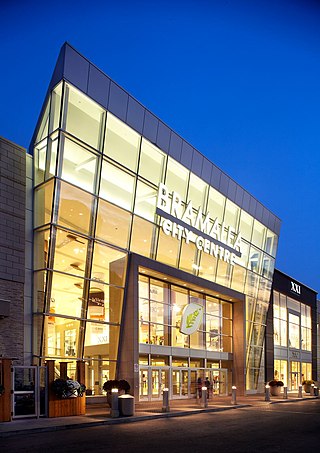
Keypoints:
pixel 152 382
pixel 144 384
pixel 180 383
pixel 294 375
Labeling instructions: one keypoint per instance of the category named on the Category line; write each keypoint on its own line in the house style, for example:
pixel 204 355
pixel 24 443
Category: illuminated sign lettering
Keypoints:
pixel 185 222
pixel 296 288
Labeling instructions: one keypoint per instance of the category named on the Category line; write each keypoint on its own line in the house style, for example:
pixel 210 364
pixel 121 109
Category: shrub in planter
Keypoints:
pixel 122 386
pixel 275 387
pixel 307 385
pixel 67 388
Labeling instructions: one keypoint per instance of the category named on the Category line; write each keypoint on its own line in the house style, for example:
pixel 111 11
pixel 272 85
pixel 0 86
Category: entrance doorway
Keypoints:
pixel 181 381
pixel 29 391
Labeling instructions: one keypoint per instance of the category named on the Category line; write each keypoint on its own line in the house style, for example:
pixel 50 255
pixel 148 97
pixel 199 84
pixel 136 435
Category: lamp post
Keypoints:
pixel 234 395
pixel 165 400
pixel 204 397
pixel 114 403
pixel 267 393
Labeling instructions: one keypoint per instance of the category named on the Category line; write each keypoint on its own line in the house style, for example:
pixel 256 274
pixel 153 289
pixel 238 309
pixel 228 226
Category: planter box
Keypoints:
pixel 67 407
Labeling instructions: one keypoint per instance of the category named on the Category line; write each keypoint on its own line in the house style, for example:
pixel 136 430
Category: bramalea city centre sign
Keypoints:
pixel 184 222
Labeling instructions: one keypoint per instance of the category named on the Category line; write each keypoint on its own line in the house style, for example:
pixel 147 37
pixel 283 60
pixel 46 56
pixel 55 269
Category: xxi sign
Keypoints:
pixel 295 288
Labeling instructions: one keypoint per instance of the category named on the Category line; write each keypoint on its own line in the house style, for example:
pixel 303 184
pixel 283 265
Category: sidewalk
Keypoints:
pixel 99 414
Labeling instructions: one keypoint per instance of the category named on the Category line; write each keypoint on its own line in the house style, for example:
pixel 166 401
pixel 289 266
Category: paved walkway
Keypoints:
pixel 99 414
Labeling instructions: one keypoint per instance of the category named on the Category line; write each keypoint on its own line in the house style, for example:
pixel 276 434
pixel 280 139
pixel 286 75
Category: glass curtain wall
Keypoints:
pixel 96 196
pixel 160 310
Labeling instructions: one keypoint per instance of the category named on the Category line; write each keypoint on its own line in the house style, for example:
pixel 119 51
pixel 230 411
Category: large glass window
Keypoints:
pixel 70 253
pixel 216 204
pixel 75 208
pixel 294 331
pixel 198 191
pixel 145 203
pixel 79 165
pixel 117 186
pixel 108 264
pixel 151 162
pixel 84 117
pixel 177 178
pixel 168 248
pixel 160 310
pixel 113 224
pixel 142 237
pixel 43 200
pixel 231 215
pixel 121 143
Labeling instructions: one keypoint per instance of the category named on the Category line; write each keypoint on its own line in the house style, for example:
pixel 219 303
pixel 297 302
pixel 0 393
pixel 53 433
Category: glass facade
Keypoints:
pixel 292 337
pixel 97 186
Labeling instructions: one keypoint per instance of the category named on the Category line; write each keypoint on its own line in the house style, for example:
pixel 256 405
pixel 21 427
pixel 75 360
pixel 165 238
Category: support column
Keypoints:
pixel 5 398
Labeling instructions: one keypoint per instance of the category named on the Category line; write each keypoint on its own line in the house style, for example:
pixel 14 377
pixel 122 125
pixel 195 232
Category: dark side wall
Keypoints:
pixel 12 248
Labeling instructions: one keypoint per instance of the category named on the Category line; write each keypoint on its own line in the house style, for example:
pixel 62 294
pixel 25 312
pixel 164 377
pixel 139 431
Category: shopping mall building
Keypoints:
pixel 141 256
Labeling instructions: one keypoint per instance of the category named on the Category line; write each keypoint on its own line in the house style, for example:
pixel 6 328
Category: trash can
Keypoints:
pixel 126 405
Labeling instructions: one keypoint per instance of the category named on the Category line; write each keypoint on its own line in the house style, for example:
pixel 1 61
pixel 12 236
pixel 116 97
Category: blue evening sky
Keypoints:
pixel 238 79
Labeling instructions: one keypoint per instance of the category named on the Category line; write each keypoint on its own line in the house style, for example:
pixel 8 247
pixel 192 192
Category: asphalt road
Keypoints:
pixel 286 427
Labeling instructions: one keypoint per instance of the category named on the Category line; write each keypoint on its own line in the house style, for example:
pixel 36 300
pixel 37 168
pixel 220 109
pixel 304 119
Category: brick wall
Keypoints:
pixel 12 246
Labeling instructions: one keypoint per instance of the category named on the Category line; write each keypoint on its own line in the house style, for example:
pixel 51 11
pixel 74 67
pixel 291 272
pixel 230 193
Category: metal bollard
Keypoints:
pixel 285 393
pixel 234 395
pixel 114 403
pixel 267 393
pixel 300 391
pixel 165 400
pixel 316 391
pixel 312 390
pixel 204 397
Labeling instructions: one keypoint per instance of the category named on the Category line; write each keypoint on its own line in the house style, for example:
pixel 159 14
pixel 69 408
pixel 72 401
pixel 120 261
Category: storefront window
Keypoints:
pixel 188 258
pixel 61 337
pixel 121 143
pixel 101 339
pixel 294 331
